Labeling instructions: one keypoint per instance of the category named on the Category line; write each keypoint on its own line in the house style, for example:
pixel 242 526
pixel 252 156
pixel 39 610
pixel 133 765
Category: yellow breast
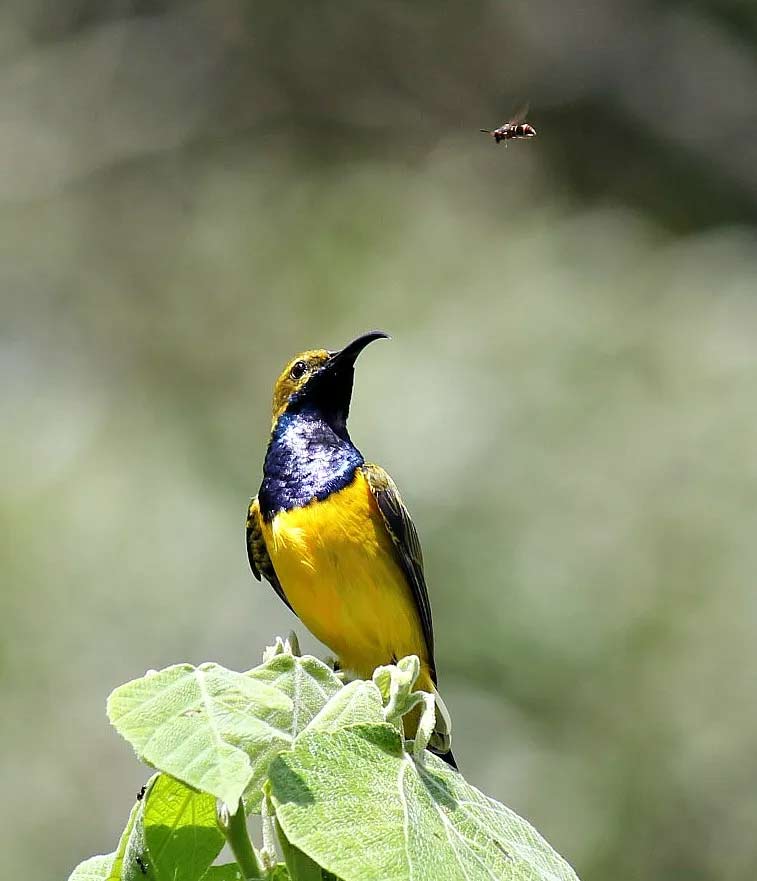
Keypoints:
pixel 336 564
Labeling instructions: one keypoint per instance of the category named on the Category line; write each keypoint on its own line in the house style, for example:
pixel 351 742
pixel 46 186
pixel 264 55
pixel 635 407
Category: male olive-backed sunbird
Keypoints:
pixel 332 535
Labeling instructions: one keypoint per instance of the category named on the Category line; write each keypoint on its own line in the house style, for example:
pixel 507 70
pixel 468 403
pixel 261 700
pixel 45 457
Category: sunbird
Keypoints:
pixel 331 534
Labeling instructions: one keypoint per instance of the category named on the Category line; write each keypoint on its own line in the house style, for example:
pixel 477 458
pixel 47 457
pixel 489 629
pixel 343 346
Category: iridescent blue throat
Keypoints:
pixel 307 459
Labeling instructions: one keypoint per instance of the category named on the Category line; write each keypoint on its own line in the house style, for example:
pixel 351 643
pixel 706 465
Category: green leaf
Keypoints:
pixel 94 869
pixel 181 834
pixel 171 833
pixel 395 682
pixel 298 864
pixel 358 703
pixel 120 865
pixel 212 728
pixel 136 862
pixel 306 681
pixel 117 859
pixel 357 804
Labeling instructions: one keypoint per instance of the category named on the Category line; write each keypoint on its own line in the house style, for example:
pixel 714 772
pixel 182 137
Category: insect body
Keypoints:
pixel 142 865
pixel 513 128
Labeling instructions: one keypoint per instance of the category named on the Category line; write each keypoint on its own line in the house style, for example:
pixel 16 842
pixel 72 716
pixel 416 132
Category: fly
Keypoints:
pixel 515 127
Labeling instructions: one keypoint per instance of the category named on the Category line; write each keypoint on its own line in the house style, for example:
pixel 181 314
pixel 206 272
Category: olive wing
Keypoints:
pixel 257 552
pixel 404 536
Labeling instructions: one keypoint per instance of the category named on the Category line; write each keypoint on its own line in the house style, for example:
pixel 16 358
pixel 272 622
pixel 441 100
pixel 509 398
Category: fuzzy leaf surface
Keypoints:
pixel 360 806
pixel 306 681
pixel 358 703
pixel 209 727
pixel 94 869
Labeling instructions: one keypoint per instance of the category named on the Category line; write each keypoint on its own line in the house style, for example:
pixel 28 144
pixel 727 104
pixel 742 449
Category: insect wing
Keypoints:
pixel 519 116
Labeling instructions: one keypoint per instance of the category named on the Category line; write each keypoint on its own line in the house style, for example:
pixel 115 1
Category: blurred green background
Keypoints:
pixel 191 192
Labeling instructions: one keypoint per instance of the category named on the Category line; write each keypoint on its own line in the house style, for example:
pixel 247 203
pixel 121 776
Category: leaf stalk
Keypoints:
pixel 234 828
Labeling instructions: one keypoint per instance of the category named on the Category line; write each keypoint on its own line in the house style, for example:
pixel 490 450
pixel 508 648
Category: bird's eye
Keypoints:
pixel 299 369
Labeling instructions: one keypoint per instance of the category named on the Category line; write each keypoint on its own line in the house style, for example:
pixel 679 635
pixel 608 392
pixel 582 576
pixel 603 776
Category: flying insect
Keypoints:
pixel 515 127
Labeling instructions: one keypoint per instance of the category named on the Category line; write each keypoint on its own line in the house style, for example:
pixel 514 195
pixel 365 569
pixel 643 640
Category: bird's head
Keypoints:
pixel 320 382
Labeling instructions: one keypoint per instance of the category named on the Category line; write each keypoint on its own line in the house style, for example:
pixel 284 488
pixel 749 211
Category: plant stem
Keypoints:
pixel 268 851
pixel 234 828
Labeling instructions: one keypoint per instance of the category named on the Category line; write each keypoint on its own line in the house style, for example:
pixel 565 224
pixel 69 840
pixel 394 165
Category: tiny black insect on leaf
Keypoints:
pixel 141 793
pixel 142 865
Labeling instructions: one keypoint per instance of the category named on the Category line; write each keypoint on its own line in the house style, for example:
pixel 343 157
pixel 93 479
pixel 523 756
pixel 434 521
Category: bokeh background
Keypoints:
pixel 191 192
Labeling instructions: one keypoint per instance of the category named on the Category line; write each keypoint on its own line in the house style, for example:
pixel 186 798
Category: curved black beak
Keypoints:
pixel 329 390
pixel 347 356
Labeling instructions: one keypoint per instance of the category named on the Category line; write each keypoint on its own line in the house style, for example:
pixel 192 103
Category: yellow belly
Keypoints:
pixel 335 562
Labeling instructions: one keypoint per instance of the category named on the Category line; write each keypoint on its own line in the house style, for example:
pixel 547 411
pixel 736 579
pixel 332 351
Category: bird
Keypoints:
pixel 331 533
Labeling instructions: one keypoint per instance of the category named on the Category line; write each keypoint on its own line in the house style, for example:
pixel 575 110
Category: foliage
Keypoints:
pixel 327 766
